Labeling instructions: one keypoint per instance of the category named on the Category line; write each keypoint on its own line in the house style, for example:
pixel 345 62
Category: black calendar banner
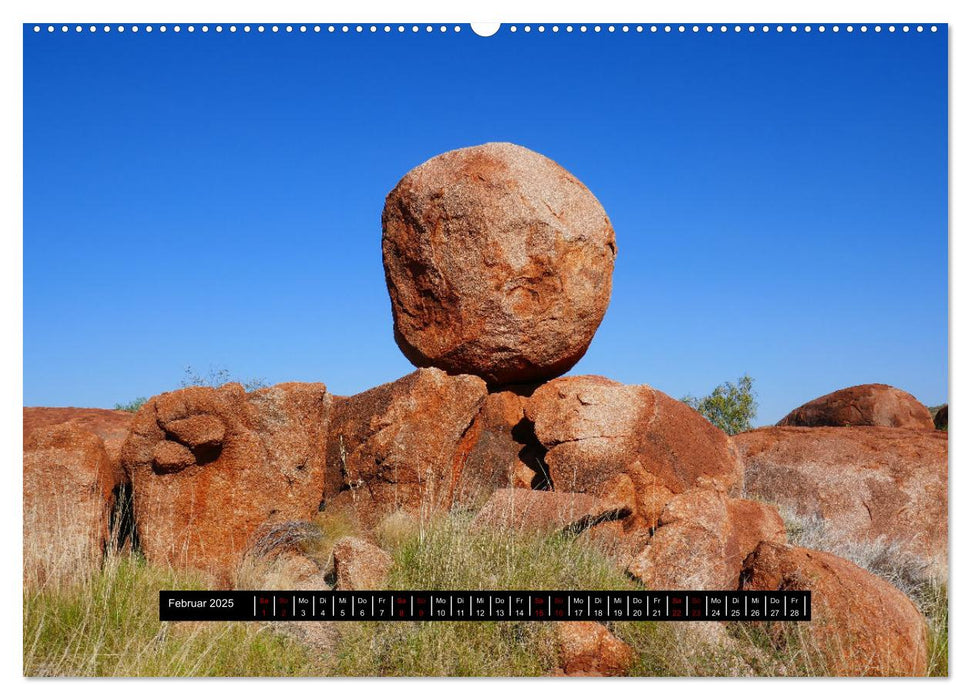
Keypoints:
pixel 485 606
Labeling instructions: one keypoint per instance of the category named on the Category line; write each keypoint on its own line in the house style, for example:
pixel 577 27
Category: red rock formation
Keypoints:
pixel 866 404
pixel 402 445
pixel 702 540
pixel 111 426
pixel 360 565
pixel 210 467
pixel 632 446
pixel 861 626
pixel 542 511
pixel 68 482
pixel 504 454
pixel 866 483
pixel 589 649
pixel 498 262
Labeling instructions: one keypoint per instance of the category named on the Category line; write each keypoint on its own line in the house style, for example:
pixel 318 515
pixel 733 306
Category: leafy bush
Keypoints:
pixel 730 407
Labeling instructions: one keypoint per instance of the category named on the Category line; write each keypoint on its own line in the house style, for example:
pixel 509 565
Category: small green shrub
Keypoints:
pixel 133 405
pixel 731 407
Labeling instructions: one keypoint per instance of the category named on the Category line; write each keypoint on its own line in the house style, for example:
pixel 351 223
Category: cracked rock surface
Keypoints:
pixel 634 447
pixel 402 445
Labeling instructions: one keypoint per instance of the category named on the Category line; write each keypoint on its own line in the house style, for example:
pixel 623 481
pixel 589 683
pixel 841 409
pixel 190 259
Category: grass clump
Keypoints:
pixel 107 625
pixel 934 604
pixel 447 555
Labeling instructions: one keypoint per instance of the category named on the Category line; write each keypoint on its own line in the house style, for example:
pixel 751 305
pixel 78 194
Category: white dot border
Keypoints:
pixel 513 28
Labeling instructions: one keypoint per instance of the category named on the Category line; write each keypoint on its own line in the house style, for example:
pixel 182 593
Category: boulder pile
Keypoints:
pixel 498 264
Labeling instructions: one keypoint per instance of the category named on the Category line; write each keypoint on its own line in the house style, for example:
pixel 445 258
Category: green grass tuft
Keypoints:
pixel 107 625
pixel 446 555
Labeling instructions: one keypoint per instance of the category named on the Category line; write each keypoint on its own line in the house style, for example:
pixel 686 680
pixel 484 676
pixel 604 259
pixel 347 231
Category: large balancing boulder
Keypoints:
pixel 498 262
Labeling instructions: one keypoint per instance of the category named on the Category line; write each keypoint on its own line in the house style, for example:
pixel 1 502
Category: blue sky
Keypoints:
pixel 214 200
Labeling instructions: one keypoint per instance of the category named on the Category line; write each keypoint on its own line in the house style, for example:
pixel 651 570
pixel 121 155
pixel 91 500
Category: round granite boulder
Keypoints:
pixel 866 404
pixel 498 262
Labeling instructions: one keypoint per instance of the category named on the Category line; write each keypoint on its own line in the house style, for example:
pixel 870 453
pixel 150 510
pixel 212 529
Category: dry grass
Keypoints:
pixel 916 576
pixel 446 554
pixel 106 623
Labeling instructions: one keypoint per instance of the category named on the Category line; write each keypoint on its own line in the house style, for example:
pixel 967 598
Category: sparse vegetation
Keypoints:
pixel 133 405
pixel 108 623
pixel 731 406
pixel 445 554
pixel 216 377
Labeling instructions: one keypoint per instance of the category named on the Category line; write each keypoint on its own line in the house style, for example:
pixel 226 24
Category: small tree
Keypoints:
pixel 730 407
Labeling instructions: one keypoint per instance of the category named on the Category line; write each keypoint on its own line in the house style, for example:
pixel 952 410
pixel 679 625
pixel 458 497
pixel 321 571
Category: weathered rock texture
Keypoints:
pixel 360 565
pixel 866 483
pixel 702 539
pixel 68 482
pixel 542 511
pixel 111 426
pixel 861 626
pixel 940 418
pixel 589 649
pixel 866 404
pixel 498 262
pixel 288 569
pixel 503 447
pixel 210 467
pixel 632 446
pixel 402 445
